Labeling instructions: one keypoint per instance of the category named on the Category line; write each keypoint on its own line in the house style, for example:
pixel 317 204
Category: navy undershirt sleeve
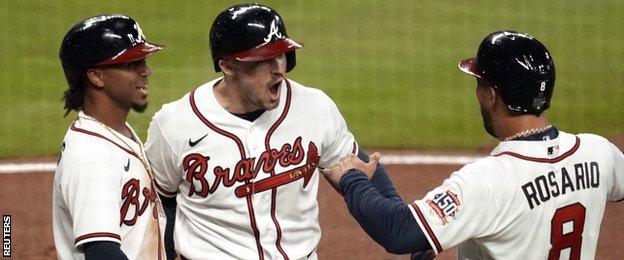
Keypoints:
pixel 387 221
pixel 103 250
pixel 380 180
pixel 169 206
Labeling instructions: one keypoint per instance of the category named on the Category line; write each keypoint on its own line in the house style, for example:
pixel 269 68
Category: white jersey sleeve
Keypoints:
pixel 91 194
pixel 162 160
pixel 463 207
pixel 338 140
pixel 617 192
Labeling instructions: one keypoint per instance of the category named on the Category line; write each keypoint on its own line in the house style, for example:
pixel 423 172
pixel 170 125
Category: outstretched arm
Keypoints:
pixel 388 221
pixel 380 179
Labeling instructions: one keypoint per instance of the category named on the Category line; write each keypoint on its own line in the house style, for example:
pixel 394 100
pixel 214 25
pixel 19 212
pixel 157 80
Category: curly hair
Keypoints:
pixel 74 95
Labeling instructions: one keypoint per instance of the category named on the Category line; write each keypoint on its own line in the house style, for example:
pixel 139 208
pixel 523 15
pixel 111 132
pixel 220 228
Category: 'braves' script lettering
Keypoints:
pixel 131 198
pixel 246 169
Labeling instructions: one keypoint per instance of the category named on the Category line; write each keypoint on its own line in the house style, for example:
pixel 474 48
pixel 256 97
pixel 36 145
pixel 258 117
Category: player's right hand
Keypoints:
pixel 335 173
pixel 354 162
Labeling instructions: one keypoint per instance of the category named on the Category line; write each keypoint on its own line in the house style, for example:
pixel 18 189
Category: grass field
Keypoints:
pixel 389 65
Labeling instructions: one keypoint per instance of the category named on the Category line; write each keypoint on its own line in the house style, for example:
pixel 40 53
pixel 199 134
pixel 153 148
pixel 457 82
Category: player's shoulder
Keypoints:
pixel 592 138
pixel 84 145
pixel 311 99
pixel 180 108
pixel 172 109
pixel 79 148
pixel 300 90
pixel 482 166
pixel 597 146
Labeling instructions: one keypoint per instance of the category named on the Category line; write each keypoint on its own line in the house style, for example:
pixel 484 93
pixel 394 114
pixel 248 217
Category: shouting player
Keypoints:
pixel 540 194
pixel 239 154
pixel 104 203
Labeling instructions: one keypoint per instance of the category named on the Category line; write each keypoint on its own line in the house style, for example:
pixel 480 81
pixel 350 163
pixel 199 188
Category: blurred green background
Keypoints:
pixel 389 65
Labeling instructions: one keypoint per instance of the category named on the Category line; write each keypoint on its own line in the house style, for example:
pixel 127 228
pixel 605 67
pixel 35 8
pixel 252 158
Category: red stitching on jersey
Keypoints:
pixel 84 131
pixel 162 190
pixel 274 190
pixel 99 234
pixel 545 160
pixel 252 218
pixel 214 127
pixel 427 228
pixel 241 149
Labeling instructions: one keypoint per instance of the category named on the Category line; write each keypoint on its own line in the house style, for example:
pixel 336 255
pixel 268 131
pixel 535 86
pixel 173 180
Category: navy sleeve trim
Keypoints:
pixel 103 250
pixel 169 206
pixel 389 222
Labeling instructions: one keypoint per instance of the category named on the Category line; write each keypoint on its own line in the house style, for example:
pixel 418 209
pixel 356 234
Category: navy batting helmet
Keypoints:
pixel 251 32
pixel 99 40
pixel 520 68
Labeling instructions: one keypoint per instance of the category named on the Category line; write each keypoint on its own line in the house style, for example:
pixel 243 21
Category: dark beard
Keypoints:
pixel 487 123
pixel 139 108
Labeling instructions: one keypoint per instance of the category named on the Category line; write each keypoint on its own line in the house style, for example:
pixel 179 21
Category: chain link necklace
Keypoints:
pixel 139 155
pixel 528 132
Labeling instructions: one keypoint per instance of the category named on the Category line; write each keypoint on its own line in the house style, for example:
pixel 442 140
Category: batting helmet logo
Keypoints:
pixel 273 32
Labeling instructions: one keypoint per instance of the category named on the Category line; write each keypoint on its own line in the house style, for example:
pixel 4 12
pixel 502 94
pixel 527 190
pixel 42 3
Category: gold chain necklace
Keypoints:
pixel 140 155
pixel 528 132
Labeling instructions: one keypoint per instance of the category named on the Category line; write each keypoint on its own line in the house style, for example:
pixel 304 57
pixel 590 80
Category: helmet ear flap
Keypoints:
pixel 291 61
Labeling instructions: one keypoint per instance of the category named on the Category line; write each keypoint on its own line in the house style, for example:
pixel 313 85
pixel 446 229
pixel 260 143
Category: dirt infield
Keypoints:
pixel 28 197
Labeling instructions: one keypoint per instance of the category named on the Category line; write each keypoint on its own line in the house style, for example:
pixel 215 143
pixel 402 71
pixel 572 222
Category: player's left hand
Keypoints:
pixel 351 161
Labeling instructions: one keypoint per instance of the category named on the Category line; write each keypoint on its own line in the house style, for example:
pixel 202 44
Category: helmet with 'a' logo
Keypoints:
pixel 96 41
pixel 520 68
pixel 251 32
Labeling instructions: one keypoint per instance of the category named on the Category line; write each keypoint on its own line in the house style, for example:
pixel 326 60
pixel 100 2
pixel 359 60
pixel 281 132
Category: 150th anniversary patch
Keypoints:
pixel 445 205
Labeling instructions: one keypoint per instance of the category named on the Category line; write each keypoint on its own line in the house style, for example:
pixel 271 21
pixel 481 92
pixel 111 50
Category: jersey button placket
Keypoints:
pixel 254 139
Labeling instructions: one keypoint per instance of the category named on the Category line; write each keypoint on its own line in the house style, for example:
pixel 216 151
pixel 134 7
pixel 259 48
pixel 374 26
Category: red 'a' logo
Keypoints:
pixel 196 166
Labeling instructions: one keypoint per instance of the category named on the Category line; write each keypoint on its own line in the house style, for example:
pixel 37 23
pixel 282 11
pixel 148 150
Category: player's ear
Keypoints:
pixel 227 67
pixel 492 94
pixel 96 77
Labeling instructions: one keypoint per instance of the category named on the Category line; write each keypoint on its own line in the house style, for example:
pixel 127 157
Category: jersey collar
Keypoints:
pixel 548 150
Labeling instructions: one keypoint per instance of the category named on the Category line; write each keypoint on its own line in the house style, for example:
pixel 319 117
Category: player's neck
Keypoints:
pixel 108 114
pixel 513 125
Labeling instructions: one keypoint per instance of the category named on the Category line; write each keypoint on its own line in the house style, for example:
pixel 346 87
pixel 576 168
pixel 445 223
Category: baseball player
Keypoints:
pixel 539 195
pixel 239 154
pixel 104 203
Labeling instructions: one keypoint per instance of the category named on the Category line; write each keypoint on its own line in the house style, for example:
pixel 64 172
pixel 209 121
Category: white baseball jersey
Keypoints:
pixel 246 190
pixel 528 200
pixel 103 192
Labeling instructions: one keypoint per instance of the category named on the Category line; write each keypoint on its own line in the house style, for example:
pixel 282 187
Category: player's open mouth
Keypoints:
pixel 143 90
pixel 274 90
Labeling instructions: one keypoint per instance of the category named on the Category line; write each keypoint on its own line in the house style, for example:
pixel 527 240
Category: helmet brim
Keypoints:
pixel 137 52
pixel 469 66
pixel 267 51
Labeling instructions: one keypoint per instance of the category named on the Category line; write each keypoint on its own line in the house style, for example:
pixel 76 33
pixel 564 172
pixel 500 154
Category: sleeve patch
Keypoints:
pixel 445 205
